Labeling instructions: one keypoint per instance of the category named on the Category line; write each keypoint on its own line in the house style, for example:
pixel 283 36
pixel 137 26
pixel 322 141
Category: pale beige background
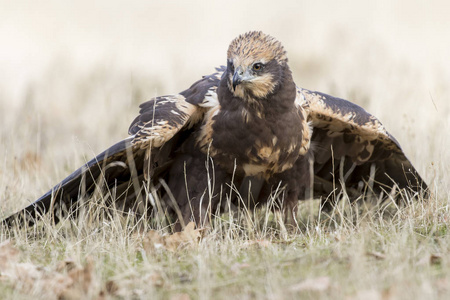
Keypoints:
pixel 72 73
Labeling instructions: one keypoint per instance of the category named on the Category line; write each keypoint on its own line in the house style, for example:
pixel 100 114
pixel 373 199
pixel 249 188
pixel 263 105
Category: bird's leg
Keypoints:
pixel 250 190
pixel 197 212
pixel 290 209
pixel 297 182
pixel 196 187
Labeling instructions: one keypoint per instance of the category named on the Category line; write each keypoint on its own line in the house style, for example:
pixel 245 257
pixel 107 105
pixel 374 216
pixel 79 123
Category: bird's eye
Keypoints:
pixel 257 67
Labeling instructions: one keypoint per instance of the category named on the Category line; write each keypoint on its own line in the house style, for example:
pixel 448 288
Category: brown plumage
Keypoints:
pixel 246 127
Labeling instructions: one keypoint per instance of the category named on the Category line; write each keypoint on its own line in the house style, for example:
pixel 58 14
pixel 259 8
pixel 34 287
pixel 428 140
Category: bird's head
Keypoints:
pixel 256 63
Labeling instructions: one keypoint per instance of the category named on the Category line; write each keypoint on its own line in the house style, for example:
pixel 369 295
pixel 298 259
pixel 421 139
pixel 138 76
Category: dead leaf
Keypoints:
pixel 111 287
pixel 153 240
pixel 430 259
pixel 81 278
pixel 377 255
pixel 435 259
pixel 155 279
pixel 189 236
pixel 28 277
pixel 65 265
pixel 68 281
pixel 318 284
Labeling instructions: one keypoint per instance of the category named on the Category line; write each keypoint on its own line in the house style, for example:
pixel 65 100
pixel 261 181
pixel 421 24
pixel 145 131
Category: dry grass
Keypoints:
pixel 73 104
pixel 356 252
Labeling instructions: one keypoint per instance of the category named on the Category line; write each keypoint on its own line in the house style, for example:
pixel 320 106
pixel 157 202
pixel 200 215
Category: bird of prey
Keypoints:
pixel 246 129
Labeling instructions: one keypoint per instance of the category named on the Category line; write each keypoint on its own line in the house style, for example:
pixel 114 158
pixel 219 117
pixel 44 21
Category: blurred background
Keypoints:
pixel 72 73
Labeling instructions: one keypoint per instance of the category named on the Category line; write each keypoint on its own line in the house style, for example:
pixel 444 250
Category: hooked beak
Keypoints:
pixel 237 78
pixel 241 75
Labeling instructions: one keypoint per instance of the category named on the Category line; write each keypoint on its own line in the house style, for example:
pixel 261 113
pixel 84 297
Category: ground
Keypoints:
pixel 62 110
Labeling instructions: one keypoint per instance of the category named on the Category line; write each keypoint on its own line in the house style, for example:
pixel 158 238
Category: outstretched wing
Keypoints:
pixel 162 125
pixel 353 147
pixel 115 165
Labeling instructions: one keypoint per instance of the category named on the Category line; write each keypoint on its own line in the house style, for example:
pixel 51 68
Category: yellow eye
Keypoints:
pixel 257 67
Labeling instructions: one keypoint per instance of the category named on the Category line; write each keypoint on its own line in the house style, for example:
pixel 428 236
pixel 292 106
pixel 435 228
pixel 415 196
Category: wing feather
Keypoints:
pixel 162 125
pixel 109 169
pixel 162 117
pixel 346 136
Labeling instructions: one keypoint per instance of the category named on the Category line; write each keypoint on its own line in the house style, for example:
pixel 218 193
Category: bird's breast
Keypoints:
pixel 250 144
